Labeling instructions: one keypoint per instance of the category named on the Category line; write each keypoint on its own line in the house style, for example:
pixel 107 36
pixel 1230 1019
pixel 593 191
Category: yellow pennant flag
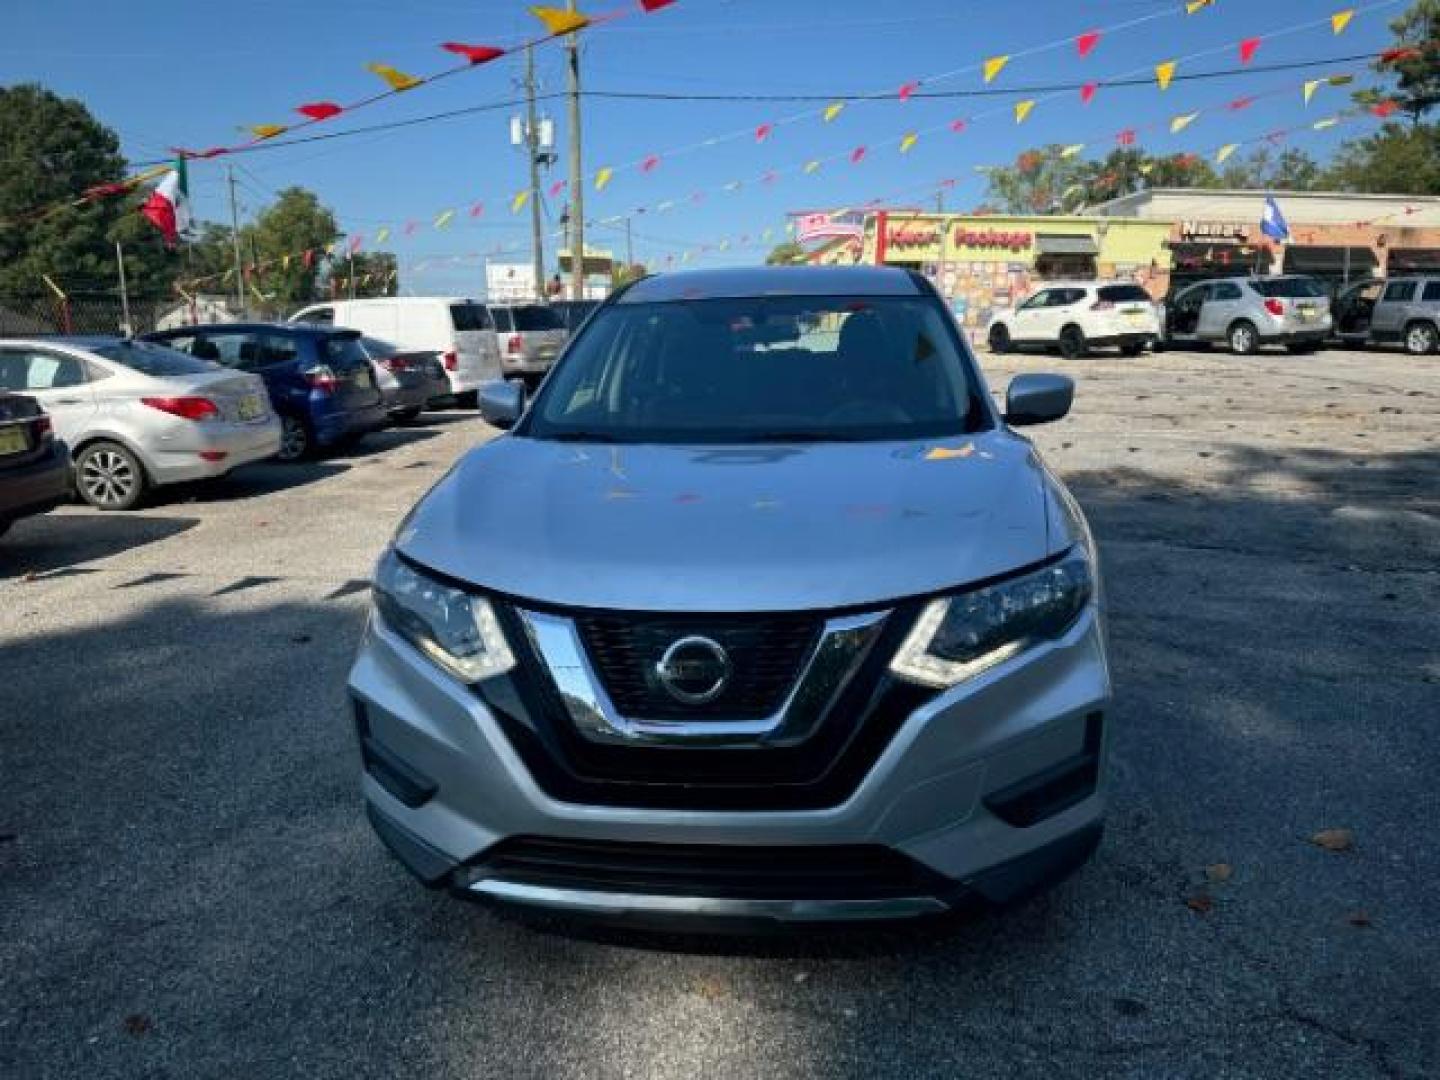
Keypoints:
pixel 1328 122
pixel 767 234
pixel 811 166
pixel 560 21
pixel 907 142
pixel 285 262
pixel 602 177
pixel 1022 109
pixel 1311 86
pixel 1073 189
pixel 685 256
pixel 1340 80
pixel 724 245
pixel 444 219
pixel 1341 19
pixel 397 79
pixel 1180 123
pixel 1164 73
pixel 1225 151
pixel 268 131
pixel 518 202
pixel 1072 150
pixel 383 234
pixel 1192 6
pixel 1147 168
pixel 832 111
pixel 994 66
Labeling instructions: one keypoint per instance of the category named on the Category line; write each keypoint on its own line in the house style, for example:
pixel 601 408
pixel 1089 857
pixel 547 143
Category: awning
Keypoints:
pixel 1066 245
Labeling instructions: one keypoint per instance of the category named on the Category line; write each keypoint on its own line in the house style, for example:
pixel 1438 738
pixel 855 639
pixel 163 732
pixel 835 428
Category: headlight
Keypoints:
pixel 960 636
pixel 459 632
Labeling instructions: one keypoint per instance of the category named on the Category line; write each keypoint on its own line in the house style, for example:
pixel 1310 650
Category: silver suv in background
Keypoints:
pixel 1246 313
pixel 531 337
pixel 761 610
pixel 1404 311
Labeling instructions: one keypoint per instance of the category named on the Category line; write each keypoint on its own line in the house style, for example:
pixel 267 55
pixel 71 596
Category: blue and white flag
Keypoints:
pixel 1272 221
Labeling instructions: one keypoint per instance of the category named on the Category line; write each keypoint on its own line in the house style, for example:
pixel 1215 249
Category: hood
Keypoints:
pixel 733 528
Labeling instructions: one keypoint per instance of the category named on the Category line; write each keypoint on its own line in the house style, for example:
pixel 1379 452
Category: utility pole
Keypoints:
pixel 940 202
pixel 532 150
pixel 577 178
pixel 235 238
pixel 629 248
pixel 128 327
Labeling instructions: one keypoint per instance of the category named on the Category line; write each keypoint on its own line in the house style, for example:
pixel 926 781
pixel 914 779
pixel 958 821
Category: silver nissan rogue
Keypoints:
pixel 760 611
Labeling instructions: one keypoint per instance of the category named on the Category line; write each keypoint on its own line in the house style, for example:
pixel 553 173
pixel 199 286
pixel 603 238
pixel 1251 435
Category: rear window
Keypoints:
pixel 1432 291
pixel 535 317
pixel 1120 294
pixel 150 359
pixel 345 352
pixel 1290 288
pixel 470 317
pixel 374 347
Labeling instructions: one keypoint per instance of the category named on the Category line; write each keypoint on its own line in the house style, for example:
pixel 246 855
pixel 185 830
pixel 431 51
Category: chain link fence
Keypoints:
pixel 26 316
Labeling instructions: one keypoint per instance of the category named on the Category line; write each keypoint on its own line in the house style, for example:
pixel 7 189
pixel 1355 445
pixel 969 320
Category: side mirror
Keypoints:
pixel 501 403
pixel 1037 399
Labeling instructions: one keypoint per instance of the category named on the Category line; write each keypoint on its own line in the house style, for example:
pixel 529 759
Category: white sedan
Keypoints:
pixel 1076 317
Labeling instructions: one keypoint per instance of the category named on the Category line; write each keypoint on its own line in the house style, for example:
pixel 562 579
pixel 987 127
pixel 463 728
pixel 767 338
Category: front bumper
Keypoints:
pixel 36 486
pixel 987 791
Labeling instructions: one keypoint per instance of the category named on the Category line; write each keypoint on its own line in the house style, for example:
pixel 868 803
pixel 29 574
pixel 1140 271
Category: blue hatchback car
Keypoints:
pixel 318 377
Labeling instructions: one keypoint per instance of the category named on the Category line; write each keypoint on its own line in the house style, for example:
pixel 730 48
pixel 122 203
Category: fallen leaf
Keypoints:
pixel 1359 918
pixel 29 575
pixel 1334 839
pixel 712 989
pixel 1219 872
pixel 1200 904
pixel 139 1024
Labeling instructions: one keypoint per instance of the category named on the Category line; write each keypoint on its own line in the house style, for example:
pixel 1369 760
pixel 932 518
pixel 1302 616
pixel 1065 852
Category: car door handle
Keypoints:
pixel 69 401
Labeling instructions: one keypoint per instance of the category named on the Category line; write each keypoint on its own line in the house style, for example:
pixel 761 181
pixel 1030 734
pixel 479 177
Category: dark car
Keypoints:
pixel 34 465
pixel 409 379
pixel 319 378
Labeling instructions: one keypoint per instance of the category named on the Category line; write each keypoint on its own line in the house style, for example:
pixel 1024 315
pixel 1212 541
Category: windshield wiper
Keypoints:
pixel 580 436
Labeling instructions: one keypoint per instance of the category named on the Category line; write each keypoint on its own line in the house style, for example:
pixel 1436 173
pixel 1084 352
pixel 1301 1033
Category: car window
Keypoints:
pixel 763 369
pixel 150 358
pixel 535 317
pixel 1225 290
pixel 320 316
pixel 343 352
pixel 1292 288
pixel 1120 294
pixel 502 319
pixel 1039 300
pixel 471 317
pixel 1432 291
pixel 374 347
pixel 22 369
pixel 1400 291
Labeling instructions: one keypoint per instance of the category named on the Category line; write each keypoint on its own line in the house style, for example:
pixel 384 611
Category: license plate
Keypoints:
pixel 362 377
pixel 250 407
pixel 13 440
pixel 1135 317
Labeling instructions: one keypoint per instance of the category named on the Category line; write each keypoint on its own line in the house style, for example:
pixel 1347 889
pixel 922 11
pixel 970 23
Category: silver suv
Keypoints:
pixel 531 337
pixel 1403 311
pixel 760 611
pixel 1245 313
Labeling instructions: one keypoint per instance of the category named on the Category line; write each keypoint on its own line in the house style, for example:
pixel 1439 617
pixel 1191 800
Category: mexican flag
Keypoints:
pixel 168 207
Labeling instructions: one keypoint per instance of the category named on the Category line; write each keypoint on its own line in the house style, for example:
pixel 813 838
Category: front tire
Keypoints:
pixel 1131 350
pixel 1243 338
pixel 1421 339
pixel 296 442
pixel 1000 342
pixel 109 477
pixel 1072 342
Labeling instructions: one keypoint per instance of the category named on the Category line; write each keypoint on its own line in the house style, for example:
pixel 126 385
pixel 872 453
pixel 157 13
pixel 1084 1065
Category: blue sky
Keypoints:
pixel 168 74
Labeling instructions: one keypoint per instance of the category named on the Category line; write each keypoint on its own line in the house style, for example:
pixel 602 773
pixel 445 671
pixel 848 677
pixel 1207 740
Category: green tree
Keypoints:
pixel 1262 170
pixel 366 273
pixel 295 223
pixel 1417 69
pixel 54 150
pixel 1399 159
pixel 785 254
pixel 1040 181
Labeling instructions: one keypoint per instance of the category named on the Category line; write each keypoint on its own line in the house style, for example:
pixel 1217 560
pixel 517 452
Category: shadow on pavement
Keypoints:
pixel 56 541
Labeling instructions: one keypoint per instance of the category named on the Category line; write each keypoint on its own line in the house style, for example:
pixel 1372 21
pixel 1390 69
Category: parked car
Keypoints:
pixel 1245 313
pixel 573 313
pixel 1078 316
pixel 777 625
pixel 409 381
pixel 1399 310
pixel 34 465
pixel 459 329
pixel 531 337
pixel 318 378
pixel 137 415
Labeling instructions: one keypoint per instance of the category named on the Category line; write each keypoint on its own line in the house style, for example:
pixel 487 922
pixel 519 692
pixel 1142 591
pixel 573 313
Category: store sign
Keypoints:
pixel 912 235
pixel 823 226
pixel 992 238
pixel 1212 230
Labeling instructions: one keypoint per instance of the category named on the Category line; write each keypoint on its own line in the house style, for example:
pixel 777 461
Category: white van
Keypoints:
pixel 461 330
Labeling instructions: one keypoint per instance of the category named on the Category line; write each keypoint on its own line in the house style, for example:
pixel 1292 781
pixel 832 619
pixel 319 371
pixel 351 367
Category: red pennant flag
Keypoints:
pixel 1087 92
pixel 957 126
pixel 1277 137
pixel 1248 48
pixel 477 209
pixel 1395 56
pixel 655 5
pixel 948 183
pixel 1085 43
pixel 1240 103
pixel 1186 160
pixel 908 89
pixel 857 155
pixel 410 227
pixel 1384 109
pixel 212 152
pixel 698 197
pixel 648 165
pixel 320 110
pixel 476 54
pixel 308 258
pixel 763 132
pixel 355 242
pixel 1126 137
pixel 768 178
pixel 557 187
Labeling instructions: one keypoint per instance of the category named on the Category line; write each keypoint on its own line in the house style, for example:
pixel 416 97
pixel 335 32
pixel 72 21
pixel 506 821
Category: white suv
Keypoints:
pixel 1078 316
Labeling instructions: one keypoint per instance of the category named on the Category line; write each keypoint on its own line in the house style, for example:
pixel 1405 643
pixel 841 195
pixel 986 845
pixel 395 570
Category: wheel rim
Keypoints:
pixel 107 478
pixel 293 440
pixel 1422 339
pixel 1241 339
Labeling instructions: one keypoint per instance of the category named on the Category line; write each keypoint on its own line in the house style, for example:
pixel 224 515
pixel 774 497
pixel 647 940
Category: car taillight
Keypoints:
pixel 514 345
pixel 43 427
pixel 452 361
pixel 187 408
pixel 323 379
pixel 1103 305
pixel 1275 307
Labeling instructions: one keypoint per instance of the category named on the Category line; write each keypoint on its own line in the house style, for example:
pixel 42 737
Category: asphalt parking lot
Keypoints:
pixel 188 887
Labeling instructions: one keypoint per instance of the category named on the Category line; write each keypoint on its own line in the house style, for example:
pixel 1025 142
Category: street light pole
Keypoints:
pixel 629 248
pixel 532 150
pixel 124 291
pixel 235 238
pixel 577 179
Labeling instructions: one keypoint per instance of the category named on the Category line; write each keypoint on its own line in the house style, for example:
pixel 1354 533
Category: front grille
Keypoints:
pixel 766 653
pixel 838 872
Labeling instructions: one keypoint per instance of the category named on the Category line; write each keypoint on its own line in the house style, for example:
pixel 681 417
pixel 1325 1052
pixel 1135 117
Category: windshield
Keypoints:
pixel 771 369
pixel 470 317
pixel 1289 288
pixel 154 360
